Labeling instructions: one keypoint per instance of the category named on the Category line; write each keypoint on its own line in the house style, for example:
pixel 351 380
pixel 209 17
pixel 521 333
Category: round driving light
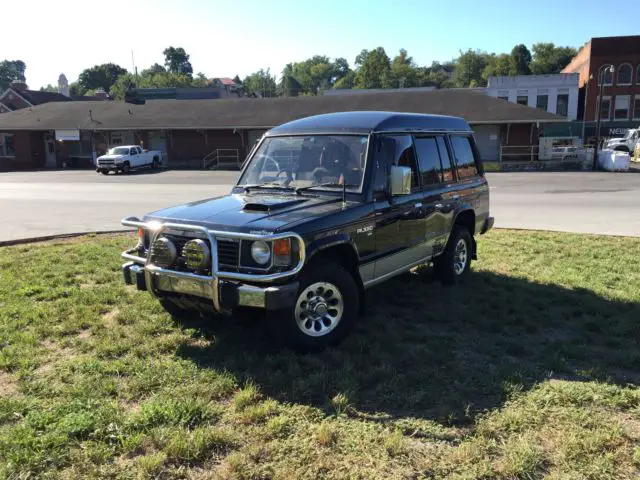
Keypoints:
pixel 196 254
pixel 163 252
pixel 260 252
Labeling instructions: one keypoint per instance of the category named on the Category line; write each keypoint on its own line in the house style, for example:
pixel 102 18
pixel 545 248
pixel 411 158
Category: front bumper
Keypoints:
pixel 229 294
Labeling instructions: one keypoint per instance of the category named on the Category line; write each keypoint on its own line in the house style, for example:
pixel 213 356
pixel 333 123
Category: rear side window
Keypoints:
pixel 429 160
pixel 445 158
pixel 463 153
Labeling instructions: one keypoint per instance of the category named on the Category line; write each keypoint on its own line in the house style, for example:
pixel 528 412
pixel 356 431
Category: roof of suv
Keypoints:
pixel 367 122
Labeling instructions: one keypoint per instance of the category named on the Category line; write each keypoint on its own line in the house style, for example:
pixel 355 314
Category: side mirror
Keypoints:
pixel 400 180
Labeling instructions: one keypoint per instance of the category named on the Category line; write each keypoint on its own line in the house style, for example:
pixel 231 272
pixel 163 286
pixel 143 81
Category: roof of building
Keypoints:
pixel 226 81
pixel 262 113
pixel 366 122
pixel 36 97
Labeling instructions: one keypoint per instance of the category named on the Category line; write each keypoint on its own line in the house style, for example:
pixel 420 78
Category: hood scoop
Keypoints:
pixel 271 205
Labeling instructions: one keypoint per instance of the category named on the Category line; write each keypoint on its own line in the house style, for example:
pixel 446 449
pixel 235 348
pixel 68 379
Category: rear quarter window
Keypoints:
pixel 464 156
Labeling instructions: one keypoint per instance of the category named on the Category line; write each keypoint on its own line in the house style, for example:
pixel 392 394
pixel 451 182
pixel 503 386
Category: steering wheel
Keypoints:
pixel 268 158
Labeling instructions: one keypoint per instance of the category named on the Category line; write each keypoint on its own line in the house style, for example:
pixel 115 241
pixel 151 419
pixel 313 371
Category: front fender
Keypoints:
pixel 318 245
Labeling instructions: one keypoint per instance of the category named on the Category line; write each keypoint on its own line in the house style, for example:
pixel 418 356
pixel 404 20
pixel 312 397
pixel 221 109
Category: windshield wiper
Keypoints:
pixel 330 184
pixel 275 186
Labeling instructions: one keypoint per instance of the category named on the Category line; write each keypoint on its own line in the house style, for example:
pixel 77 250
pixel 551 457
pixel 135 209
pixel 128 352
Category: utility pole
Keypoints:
pixel 584 110
pixel 601 79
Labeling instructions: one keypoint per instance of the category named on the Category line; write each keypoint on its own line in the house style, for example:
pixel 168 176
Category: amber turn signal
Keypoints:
pixel 141 233
pixel 282 247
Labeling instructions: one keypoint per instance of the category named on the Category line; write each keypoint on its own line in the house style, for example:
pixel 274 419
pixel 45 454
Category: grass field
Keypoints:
pixel 530 369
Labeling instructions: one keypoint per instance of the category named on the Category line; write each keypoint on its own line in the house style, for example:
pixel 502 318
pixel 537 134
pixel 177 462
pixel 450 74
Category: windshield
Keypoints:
pixel 629 134
pixel 119 151
pixel 324 161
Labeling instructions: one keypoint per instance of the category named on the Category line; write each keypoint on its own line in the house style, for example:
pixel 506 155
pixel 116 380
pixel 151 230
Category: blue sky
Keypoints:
pixel 226 38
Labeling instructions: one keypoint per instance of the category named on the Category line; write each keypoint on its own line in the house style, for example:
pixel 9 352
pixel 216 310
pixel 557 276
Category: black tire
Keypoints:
pixel 621 149
pixel 448 265
pixel 284 326
pixel 155 164
pixel 178 310
pixel 126 168
pixel 104 172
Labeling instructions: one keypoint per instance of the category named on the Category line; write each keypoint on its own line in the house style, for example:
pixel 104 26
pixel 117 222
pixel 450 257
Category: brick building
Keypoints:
pixel 620 106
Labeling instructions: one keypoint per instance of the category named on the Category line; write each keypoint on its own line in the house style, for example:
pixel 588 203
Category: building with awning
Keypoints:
pixel 201 133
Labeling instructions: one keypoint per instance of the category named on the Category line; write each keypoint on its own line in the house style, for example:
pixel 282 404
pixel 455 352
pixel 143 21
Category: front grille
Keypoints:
pixel 228 252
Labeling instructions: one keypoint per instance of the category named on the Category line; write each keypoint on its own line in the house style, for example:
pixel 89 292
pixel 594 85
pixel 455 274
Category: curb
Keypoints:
pixel 46 238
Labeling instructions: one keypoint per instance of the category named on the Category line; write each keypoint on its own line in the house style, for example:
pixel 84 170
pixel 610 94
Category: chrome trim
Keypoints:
pixel 208 284
pixel 250 296
pixel 398 271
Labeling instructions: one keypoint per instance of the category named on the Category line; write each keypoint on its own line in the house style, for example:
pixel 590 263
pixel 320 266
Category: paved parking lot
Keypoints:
pixel 34 204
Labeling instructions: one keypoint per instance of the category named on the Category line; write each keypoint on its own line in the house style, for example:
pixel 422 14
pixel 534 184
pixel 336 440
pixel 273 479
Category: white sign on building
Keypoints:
pixel 68 135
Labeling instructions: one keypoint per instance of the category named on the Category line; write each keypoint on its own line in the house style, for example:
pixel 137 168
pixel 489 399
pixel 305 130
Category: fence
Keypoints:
pixel 222 157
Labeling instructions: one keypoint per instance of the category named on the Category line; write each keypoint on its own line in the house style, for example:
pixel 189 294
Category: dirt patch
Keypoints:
pixel 110 318
pixel 84 334
pixel 8 385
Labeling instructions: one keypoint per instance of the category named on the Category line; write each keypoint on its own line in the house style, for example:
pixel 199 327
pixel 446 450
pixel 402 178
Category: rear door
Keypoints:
pixel 400 228
pixel 472 190
pixel 436 178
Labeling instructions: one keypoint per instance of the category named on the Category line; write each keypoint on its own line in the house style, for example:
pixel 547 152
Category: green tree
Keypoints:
pixel 470 66
pixel 201 80
pixel 498 65
pixel 155 68
pixel 176 60
pixel 340 68
pixel 549 59
pixel 149 80
pixel 261 82
pixel 520 60
pixel 49 88
pixel 404 73
pixel 100 76
pixel 11 70
pixel 237 80
pixel 347 81
pixel 76 89
pixel 374 69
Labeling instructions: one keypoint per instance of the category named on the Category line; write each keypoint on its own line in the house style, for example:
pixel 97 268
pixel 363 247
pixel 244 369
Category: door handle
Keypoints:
pixel 418 205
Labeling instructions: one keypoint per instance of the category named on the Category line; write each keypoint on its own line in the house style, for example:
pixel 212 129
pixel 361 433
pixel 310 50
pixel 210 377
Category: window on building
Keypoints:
pixel 625 74
pixel 605 74
pixel 636 108
pixel 605 107
pixel 505 98
pixel 562 105
pixel 6 145
pixel 428 160
pixel 463 153
pixel 522 100
pixel 621 110
pixel 542 102
pixel 445 158
pixel 638 75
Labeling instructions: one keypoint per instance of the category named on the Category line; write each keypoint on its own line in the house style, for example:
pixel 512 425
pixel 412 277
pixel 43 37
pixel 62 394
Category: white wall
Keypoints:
pixel 532 85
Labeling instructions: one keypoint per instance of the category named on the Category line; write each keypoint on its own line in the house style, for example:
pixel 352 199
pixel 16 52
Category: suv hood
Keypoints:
pixel 110 157
pixel 249 212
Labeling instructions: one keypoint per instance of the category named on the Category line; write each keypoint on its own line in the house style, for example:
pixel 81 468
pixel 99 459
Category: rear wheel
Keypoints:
pixel 155 164
pixel 455 262
pixel 325 310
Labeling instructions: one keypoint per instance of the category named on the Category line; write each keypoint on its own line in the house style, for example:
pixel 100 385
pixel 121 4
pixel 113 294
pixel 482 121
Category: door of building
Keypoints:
pixel 50 151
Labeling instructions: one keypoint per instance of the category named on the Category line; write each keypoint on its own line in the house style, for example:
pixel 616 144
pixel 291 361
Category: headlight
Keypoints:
pixel 196 254
pixel 163 252
pixel 260 252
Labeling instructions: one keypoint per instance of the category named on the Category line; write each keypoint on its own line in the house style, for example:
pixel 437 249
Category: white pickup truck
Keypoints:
pixel 628 143
pixel 126 158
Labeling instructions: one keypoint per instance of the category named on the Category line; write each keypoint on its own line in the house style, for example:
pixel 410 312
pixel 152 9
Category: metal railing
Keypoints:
pixel 222 157
pixel 519 153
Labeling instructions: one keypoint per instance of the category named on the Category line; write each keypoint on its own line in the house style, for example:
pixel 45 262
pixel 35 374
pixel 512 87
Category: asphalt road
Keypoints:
pixel 35 204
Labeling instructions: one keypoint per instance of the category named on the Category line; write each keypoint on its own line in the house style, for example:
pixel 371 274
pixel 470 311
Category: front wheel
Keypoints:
pixel 325 310
pixel 455 262
pixel 126 168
